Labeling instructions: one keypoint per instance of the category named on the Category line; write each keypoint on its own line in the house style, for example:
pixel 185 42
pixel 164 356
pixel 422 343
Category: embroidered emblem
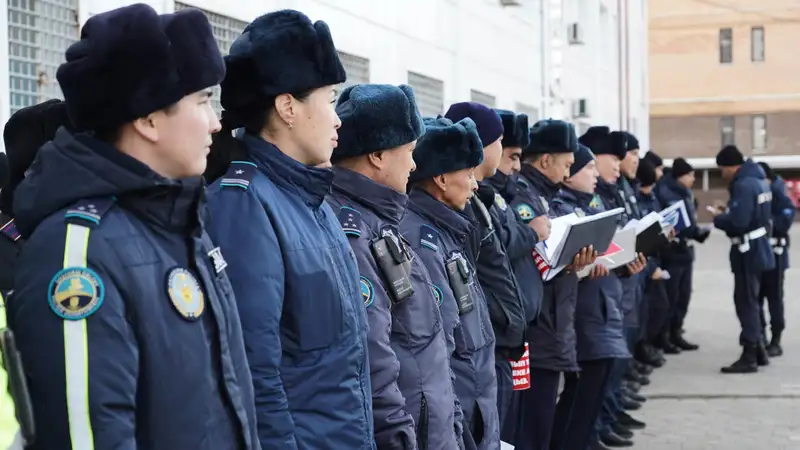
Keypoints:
pixel 596 202
pixel 437 294
pixel 367 291
pixel 579 212
pixel 218 260
pixel 428 237
pixel 350 220
pixel 525 212
pixel 185 293
pixel 545 205
pixel 500 202
pixel 76 293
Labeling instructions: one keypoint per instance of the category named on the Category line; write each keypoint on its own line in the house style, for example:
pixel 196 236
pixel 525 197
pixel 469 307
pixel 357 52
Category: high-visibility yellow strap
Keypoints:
pixel 76 350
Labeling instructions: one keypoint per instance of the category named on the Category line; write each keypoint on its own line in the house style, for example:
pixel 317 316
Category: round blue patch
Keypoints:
pixel 437 294
pixel 367 291
pixel 76 293
pixel 525 212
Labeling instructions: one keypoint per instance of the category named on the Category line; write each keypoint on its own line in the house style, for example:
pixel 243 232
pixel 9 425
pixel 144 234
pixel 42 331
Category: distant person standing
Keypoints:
pixel 783 212
pixel 746 221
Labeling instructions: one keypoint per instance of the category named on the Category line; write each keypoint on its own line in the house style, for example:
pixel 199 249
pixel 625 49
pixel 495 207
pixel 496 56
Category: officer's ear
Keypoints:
pixel 441 182
pixel 378 159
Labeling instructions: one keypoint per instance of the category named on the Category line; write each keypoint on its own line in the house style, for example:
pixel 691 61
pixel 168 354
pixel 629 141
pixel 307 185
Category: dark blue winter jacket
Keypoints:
pixel 297 286
pixel 409 363
pixel 123 311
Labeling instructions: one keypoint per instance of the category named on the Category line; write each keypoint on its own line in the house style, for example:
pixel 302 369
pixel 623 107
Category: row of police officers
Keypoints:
pixel 355 277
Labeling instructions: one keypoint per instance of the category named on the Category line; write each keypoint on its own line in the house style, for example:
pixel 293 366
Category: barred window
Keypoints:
pixel 531 111
pixel 429 93
pixel 482 98
pixel 226 30
pixel 356 68
pixel 39 32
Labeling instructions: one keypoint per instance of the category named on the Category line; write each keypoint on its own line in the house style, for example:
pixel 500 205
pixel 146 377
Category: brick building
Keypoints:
pixel 725 72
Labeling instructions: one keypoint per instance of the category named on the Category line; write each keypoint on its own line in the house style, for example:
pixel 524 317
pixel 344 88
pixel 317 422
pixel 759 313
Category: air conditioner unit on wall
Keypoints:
pixel 580 108
pixel 575 34
pixel 511 2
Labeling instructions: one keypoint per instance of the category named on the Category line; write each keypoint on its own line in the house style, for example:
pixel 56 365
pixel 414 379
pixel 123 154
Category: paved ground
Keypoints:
pixel 694 407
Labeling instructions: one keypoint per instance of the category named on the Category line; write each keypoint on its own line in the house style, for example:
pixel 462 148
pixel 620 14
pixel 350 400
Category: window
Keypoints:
pixel 226 30
pixel 429 93
pixel 759 133
pixel 39 33
pixel 482 98
pixel 727 130
pixel 531 111
pixel 757 44
pixel 725 45
pixel 356 68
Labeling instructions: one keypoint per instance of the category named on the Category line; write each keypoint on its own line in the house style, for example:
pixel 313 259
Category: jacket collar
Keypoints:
pixel 382 200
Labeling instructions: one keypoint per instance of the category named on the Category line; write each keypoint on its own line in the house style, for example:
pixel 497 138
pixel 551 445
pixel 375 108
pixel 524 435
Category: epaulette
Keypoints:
pixel 429 237
pixel 239 175
pixel 350 219
pixel 89 212
pixel 9 227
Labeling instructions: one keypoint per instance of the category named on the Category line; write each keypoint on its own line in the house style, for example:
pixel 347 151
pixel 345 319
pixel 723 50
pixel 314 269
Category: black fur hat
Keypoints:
pixel 515 129
pixel 376 117
pixel 446 147
pixel 282 52
pixel 551 136
pixel 131 62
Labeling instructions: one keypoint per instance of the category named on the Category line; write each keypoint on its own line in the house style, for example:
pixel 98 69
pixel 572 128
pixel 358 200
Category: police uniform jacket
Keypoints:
pixel 669 192
pixel 649 203
pixel 748 215
pixel 440 236
pixel 122 308
pixel 495 274
pixel 297 286
pixel 783 212
pixel 409 363
pixel 598 318
pixel 517 237
pixel 10 245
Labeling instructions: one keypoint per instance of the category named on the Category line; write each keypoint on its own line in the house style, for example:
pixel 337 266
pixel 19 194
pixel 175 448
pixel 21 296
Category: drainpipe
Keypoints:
pixel 544 56
pixel 620 64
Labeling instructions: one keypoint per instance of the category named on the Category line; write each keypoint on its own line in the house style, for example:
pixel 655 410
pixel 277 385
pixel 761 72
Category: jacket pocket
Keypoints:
pixel 422 427
pixel 417 320
pixel 475 331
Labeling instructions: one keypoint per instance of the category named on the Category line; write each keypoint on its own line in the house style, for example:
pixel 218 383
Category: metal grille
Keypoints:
pixel 39 32
pixel 226 30
pixel 482 98
pixel 429 93
pixel 356 68
pixel 531 111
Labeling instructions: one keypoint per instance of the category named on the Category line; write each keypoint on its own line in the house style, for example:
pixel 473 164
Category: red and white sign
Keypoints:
pixel 613 249
pixel 521 372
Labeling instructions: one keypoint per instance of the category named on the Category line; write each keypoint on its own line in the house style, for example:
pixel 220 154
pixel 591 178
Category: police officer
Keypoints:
pixel 746 221
pixel 657 313
pixel 610 149
pixel 295 277
pixel 495 274
pixel 657 163
pixel 26 131
pixel 137 343
pixel 598 321
pixel 783 212
pixel 407 347
pixel 678 257
pixel 446 157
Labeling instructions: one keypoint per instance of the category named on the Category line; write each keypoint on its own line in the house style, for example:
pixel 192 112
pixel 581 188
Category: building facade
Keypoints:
pixel 508 54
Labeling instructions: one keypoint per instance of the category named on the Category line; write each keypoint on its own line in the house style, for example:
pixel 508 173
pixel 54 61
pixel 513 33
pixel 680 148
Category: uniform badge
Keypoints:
pixel 437 294
pixel 428 237
pixel 500 202
pixel 350 219
pixel 76 293
pixel 218 260
pixel 596 202
pixel 525 212
pixel 545 205
pixel 367 291
pixel 185 293
pixel 579 212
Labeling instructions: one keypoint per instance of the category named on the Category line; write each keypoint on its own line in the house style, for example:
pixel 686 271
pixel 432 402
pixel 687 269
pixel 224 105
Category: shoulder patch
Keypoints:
pixel 437 294
pixel 350 220
pixel 429 237
pixel 9 229
pixel 76 293
pixel 500 202
pixel 525 212
pixel 89 212
pixel 185 293
pixel 367 291
pixel 239 175
pixel 596 202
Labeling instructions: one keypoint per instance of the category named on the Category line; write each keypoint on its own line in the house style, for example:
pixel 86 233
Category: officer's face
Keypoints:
pixel 396 165
pixel 492 154
pixel 509 163
pixel 659 172
pixel 728 172
pixel 586 179
pixel 457 188
pixel 555 166
pixel 608 168
pixel 182 135
pixel 687 180
pixel 629 165
pixel 314 126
